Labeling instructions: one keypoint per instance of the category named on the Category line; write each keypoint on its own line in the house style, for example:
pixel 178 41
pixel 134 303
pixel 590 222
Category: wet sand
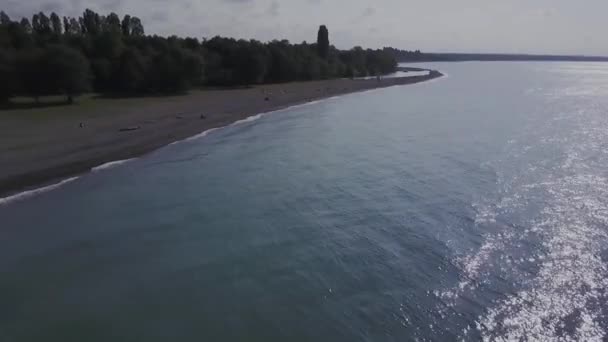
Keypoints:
pixel 36 150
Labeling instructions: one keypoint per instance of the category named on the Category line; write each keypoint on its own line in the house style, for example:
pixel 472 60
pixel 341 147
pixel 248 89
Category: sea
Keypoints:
pixel 473 207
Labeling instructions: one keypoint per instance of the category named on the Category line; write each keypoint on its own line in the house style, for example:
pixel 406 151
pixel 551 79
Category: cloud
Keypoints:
pixel 51 7
pixel 110 5
pixel 368 12
pixel 162 16
pixel 273 9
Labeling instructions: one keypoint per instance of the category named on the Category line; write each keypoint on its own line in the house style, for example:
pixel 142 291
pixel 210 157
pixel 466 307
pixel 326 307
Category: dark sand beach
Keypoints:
pixel 40 146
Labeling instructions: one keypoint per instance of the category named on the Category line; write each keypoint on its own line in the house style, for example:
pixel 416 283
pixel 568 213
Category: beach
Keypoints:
pixel 40 147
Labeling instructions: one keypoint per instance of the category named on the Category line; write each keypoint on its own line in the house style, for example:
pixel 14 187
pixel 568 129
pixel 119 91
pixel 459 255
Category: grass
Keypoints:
pixel 49 107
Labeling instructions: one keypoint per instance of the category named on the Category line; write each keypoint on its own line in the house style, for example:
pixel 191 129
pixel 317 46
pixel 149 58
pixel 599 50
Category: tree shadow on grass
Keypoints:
pixel 138 95
pixel 167 94
pixel 31 105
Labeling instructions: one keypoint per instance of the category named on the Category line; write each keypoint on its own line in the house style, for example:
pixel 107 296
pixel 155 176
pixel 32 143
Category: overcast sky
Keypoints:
pixel 518 26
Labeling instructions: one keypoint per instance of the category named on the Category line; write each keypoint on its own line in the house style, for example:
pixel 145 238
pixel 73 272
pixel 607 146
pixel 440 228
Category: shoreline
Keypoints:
pixel 43 158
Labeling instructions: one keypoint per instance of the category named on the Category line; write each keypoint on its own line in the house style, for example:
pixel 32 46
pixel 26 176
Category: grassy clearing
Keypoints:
pixel 49 107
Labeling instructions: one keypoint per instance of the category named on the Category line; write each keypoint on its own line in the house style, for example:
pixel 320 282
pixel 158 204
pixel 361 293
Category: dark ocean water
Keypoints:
pixel 471 207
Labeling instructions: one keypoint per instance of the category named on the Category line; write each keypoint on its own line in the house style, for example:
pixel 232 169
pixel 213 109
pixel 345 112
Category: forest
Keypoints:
pixel 107 54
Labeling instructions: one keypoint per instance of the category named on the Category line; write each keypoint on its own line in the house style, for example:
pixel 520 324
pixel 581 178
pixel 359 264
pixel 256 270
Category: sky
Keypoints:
pixel 503 26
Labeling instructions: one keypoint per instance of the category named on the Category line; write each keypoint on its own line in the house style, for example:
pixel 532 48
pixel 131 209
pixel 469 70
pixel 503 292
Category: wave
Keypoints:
pixel 34 192
pixel 194 137
pixel 249 119
pixel 30 193
pixel 111 164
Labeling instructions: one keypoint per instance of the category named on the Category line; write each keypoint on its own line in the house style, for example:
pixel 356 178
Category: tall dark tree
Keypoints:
pixel 71 26
pixel 56 24
pixel 132 26
pixel 4 19
pixel 112 23
pixel 137 28
pixel 26 26
pixel 323 42
pixel 126 25
pixel 66 25
pixel 41 24
pixel 90 22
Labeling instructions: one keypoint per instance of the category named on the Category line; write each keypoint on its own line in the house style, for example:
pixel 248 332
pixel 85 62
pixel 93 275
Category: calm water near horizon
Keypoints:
pixel 471 207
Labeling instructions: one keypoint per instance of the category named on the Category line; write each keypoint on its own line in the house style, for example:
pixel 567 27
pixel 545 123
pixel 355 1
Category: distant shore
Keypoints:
pixel 42 146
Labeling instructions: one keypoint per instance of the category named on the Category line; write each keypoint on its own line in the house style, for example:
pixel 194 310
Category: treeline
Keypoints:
pixel 50 55
pixel 405 55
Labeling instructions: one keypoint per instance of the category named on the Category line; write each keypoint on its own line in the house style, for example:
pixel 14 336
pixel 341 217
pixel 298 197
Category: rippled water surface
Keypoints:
pixel 471 207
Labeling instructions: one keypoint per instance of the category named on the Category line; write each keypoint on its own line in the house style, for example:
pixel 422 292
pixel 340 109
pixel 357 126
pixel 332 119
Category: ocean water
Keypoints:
pixel 473 207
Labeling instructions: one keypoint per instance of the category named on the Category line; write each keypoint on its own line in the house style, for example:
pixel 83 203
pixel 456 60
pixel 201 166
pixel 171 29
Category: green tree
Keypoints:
pixel 251 62
pixel 192 44
pixel 193 66
pixel 175 70
pixel 126 25
pixel 41 24
pixel 32 72
pixel 71 26
pixel 103 71
pixel 8 75
pixel 56 24
pixel 137 28
pixel 131 73
pixel 283 64
pixel 312 68
pixel 5 37
pixel 4 19
pixel 112 24
pixel 26 26
pixel 323 42
pixel 107 45
pixel 132 26
pixel 90 22
pixel 67 26
pixel 68 70
pixel 20 34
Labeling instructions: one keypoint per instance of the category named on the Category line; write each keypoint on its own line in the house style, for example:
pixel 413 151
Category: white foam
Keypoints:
pixel 30 193
pixel 249 119
pixel 198 136
pixel 111 164
pixel 310 103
